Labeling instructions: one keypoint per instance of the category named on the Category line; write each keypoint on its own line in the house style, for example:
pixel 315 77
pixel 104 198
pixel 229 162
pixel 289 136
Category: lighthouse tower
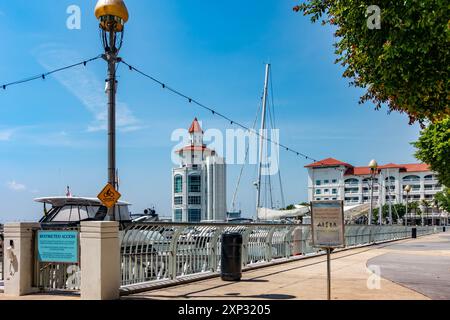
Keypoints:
pixel 199 183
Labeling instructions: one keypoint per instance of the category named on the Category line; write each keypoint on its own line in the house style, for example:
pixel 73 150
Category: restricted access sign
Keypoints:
pixel 57 246
pixel 109 196
pixel 327 221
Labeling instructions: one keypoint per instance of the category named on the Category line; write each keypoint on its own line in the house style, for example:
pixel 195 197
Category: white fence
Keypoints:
pixel 160 252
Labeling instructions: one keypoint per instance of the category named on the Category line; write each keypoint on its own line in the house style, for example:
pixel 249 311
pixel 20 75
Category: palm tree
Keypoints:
pixel 426 204
pixel 414 207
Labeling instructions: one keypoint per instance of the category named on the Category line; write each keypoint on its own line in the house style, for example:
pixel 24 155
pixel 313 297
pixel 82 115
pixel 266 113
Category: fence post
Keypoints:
pixel 19 258
pixel 173 253
pixel 297 241
pixel 245 245
pixel 213 244
pixel 288 249
pixel 269 244
pixel 100 260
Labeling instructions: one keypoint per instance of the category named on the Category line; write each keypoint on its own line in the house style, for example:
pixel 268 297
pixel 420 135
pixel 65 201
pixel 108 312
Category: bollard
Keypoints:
pixel 414 233
pixel 231 257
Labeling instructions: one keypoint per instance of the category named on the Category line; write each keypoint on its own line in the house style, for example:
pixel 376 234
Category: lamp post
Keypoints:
pixel 112 15
pixel 373 167
pixel 407 190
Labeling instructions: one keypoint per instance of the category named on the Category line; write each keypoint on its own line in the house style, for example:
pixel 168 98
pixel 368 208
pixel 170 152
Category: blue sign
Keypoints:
pixel 58 246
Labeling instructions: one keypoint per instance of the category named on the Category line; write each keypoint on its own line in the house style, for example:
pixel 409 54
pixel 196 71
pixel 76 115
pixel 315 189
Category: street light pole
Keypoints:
pixel 111 59
pixel 407 189
pixel 373 166
pixel 112 15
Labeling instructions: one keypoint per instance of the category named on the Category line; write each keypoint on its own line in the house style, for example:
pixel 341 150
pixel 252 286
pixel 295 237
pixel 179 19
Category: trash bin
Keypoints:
pixel 414 233
pixel 231 257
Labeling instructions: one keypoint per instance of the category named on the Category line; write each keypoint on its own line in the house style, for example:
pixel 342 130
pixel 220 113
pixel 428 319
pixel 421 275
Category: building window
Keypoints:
pixel 351 181
pixel 194 215
pixel 325 198
pixel 194 184
pixel 317 182
pixel 334 181
pixel 351 190
pixel 194 200
pixel 318 199
pixel 334 191
pixel 178 184
pixel 326 181
pixel 326 191
pixel 333 198
pixel 411 178
pixel 318 191
pixel 178 200
pixel 177 215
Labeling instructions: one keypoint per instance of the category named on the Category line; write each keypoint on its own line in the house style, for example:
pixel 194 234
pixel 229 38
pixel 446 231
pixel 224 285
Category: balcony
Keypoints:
pixel 351 184
pixel 411 180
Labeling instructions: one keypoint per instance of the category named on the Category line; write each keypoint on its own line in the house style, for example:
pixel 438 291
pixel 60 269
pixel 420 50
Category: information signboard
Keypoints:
pixel 327 221
pixel 57 246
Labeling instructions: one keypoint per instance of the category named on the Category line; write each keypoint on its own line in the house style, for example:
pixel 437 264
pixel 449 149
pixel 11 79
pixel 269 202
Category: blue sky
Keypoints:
pixel 51 132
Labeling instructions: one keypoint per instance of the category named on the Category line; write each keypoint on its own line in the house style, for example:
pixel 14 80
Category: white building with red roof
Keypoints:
pixel 332 179
pixel 199 183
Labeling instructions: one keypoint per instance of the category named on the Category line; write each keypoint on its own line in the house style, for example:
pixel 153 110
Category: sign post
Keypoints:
pixel 327 222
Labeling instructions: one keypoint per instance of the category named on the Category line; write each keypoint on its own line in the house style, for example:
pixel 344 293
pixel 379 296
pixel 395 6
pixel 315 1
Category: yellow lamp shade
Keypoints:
pixel 106 9
pixel 373 164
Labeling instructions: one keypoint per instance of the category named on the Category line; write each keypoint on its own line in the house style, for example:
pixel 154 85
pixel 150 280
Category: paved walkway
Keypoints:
pixel 410 269
pixel 427 261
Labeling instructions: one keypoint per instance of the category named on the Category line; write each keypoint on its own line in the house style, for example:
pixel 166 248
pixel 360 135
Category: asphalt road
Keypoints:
pixel 423 266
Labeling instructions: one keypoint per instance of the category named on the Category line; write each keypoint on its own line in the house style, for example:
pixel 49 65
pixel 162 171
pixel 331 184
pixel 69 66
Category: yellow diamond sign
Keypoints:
pixel 109 196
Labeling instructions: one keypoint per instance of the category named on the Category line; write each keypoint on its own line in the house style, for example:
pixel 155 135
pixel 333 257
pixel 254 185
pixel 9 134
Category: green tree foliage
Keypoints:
pixel 426 205
pixel 433 147
pixel 414 207
pixel 398 211
pixel 405 63
pixel 442 199
pixel 289 207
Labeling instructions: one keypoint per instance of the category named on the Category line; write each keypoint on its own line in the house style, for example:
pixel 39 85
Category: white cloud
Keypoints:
pixel 84 84
pixel 5 135
pixel 13 185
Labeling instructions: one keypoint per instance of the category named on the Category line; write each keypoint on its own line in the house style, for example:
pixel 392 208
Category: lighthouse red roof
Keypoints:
pixel 195 127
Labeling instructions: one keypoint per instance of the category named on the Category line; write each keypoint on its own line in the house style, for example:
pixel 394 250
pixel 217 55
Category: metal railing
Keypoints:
pixel 49 276
pixel 158 252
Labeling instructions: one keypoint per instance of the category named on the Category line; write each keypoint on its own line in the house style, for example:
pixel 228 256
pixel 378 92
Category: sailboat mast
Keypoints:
pixel 261 139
